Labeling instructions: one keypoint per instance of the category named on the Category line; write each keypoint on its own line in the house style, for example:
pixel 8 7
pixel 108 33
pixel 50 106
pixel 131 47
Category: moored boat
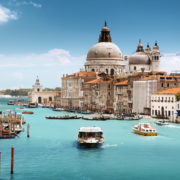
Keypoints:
pixel 144 129
pixel 32 105
pixel 10 102
pixel 63 117
pixel 90 137
pixel 27 112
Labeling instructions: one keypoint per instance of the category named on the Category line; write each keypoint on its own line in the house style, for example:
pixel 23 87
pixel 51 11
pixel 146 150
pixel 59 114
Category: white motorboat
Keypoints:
pixel 162 122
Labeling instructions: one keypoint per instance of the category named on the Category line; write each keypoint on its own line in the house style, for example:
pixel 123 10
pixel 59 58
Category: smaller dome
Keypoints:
pixel 139 58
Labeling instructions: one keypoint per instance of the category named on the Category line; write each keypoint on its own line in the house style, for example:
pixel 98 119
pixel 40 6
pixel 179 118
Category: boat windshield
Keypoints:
pixel 90 134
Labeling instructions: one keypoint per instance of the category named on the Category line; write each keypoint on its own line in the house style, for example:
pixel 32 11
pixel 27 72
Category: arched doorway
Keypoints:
pixel 50 98
pixel 39 100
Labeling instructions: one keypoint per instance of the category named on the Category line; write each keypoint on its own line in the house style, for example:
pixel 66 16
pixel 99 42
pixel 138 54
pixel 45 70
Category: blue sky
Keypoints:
pixel 51 37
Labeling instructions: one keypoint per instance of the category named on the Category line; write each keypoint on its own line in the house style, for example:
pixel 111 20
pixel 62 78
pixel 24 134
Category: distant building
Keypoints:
pixel 37 95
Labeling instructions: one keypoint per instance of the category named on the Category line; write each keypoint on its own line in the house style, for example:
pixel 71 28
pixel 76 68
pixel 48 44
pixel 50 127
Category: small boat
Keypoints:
pixel 10 103
pixel 27 112
pixel 32 105
pixel 144 129
pixel 162 122
pixel 58 109
pixel 90 137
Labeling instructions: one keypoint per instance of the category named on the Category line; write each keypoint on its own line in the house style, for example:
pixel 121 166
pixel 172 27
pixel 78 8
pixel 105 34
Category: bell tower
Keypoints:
pixel 155 58
pixel 37 87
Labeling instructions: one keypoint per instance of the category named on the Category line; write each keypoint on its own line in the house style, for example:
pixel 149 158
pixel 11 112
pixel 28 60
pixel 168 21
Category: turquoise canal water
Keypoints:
pixel 51 152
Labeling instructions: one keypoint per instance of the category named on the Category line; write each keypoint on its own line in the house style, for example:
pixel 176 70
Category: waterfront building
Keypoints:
pixel 121 97
pixel 166 103
pixel 72 96
pixel 99 93
pixel 37 95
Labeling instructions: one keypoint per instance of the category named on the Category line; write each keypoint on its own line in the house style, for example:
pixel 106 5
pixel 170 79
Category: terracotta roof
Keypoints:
pixel 169 91
pixel 82 74
pixel 122 83
pixel 98 80
pixel 148 78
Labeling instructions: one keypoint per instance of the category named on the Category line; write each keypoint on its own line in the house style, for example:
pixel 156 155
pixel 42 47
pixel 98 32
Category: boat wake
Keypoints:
pixel 109 145
pixel 173 126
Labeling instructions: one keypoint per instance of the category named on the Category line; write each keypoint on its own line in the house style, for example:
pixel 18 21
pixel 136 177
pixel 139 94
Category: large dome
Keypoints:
pixel 104 50
pixel 139 58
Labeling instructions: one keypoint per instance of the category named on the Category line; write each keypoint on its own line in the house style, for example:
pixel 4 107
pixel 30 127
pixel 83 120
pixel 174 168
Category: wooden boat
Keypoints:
pixel 10 102
pixel 90 137
pixel 7 134
pixel 32 105
pixel 63 117
pixel 27 112
pixel 144 129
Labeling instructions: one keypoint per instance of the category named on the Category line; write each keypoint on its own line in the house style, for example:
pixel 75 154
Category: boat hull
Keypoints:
pixel 89 145
pixel 145 133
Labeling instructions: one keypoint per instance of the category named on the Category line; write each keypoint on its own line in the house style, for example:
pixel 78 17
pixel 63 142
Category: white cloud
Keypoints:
pixel 50 66
pixel 24 3
pixel 170 62
pixel 6 15
pixel 53 57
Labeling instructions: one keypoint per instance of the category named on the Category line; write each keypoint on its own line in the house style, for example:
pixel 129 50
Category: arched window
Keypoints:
pixel 92 70
pixel 38 89
pixel 134 68
pixel 112 72
pixel 50 98
pixel 106 71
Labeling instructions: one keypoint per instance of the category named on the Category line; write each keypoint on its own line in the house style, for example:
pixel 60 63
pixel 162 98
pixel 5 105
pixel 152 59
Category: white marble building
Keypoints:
pixel 105 56
pixel 165 103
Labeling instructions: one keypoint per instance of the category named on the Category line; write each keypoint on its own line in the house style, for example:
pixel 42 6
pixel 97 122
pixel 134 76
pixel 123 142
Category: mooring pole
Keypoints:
pixel 28 132
pixel 12 160
pixel 0 161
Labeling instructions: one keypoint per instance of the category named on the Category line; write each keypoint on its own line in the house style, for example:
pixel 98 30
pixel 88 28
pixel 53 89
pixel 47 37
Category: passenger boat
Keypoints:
pixel 162 122
pixel 144 129
pixel 90 137
pixel 27 112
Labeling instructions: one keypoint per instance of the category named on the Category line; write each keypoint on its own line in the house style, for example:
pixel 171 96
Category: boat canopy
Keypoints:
pixel 90 129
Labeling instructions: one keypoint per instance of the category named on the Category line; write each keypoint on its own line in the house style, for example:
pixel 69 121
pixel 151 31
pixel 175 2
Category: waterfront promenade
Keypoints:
pixel 51 152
